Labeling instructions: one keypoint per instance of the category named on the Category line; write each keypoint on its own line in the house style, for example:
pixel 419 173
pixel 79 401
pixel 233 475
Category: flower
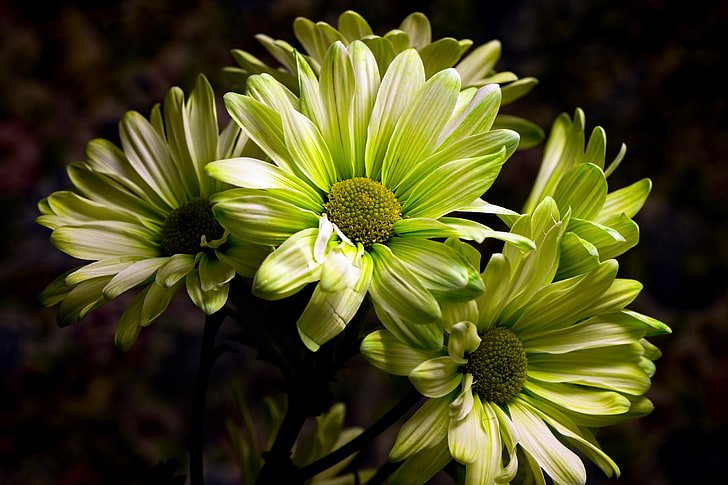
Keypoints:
pixel 529 367
pixel 574 175
pixel 362 177
pixel 475 69
pixel 142 215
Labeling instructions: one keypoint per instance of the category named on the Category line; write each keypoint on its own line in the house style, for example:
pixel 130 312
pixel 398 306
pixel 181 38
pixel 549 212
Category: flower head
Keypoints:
pixel 364 173
pixel 142 216
pixel 475 68
pixel 573 173
pixel 528 366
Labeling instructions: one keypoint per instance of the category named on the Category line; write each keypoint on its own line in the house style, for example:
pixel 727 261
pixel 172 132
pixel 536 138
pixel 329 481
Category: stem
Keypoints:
pixel 368 435
pixel 207 359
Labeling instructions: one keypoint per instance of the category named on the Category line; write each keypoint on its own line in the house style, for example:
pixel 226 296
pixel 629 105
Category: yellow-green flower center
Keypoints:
pixel 363 209
pixel 498 366
pixel 185 226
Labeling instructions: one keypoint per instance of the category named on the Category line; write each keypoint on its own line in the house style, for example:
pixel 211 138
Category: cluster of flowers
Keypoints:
pixel 342 168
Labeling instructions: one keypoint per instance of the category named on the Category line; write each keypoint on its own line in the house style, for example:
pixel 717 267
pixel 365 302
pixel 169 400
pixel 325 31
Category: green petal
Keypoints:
pixel 382 50
pixel 107 267
pixel 328 312
pixel 202 129
pixel 530 133
pixel 401 83
pixel 383 350
pixel 479 63
pixel 440 268
pixel 305 31
pixel 56 290
pixel 367 81
pixel 596 368
pixel 556 305
pixel 176 268
pixel 156 301
pixel 416 131
pixel 458 311
pixel 496 278
pixel 81 300
pixel 418 29
pixel 150 157
pixel 341 268
pixel 398 291
pixel 127 330
pixel 282 51
pixel 353 26
pixel 466 438
pixel 312 105
pixel 208 301
pixel 463 340
pixel 426 428
pixel 563 465
pixel 596 148
pixel 461 406
pixel 440 55
pixel 602 330
pixel 619 295
pixel 245 258
pixel 175 129
pixel 134 275
pixel 289 268
pixel 214 273
pixel 518 89
pixel 486 466
pixel 436 377
pixel 584 189
pixel 653 326
pixel 425 336
pixel 337 88
pixel 579 399
pixel 257 174
pixel 434 197
pixel 399 39
pixel 628 200
pixel 422 466
pixel 69 208
pixel 477 117
pixel 264 126
pixel 578 256
pixel 261 219
pixel 104 240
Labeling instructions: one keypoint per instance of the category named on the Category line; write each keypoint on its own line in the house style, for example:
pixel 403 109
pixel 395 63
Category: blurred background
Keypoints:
pixel 74 410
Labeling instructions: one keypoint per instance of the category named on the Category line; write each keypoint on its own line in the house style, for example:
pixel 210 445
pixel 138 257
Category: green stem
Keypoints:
pixel 207 359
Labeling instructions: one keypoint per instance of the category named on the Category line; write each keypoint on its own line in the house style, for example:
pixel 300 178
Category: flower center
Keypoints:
pixel 185 226
pixel 498 366
pixel 363 209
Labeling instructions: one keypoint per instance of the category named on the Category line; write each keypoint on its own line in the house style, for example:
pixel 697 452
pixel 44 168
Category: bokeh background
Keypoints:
pixel 74 410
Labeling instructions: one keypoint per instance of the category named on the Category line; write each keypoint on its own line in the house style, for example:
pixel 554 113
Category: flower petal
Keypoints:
pixel 175 269
pixel 466 437
pixel 436 377
pixel 426 428
pixel 214 273
pixel 396 290
pixel 129 326
pixel 81 300
pixel 289 268
pixel 422 466
pixel 579 399
pixel 463 339
pixel 383 350
pixel 628 201
pixel 134 275
pixel 104 240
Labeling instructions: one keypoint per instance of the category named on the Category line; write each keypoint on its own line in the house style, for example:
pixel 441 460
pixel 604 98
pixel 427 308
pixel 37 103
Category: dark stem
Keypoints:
pixel 391 417
pixel 207 359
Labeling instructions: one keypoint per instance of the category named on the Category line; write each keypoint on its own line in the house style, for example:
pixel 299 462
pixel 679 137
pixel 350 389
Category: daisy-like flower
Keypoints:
pixel 364 173
pixel 142 216
pixel 573 173
pixel 529 368
pixel 415 32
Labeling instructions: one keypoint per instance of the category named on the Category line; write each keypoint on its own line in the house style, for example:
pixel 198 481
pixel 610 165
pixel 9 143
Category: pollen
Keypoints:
pixel 498 366
pixel 183 230
pixel 363 209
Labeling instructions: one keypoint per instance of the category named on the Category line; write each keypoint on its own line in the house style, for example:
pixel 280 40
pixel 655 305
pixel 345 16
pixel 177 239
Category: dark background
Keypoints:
pixel 74 410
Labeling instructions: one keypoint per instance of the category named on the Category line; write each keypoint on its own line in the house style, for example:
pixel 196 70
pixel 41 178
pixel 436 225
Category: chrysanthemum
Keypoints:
pixel 573 173
pixel 363 175
pixel 528 368
pixel 142 216
pixel 415 32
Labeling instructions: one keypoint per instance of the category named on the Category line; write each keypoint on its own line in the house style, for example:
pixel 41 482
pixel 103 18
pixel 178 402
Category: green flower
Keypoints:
pixel 142 216
pixel 573 173
pixel 326 435
pixel 475 69
pixel 364 172
pixel 529 367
